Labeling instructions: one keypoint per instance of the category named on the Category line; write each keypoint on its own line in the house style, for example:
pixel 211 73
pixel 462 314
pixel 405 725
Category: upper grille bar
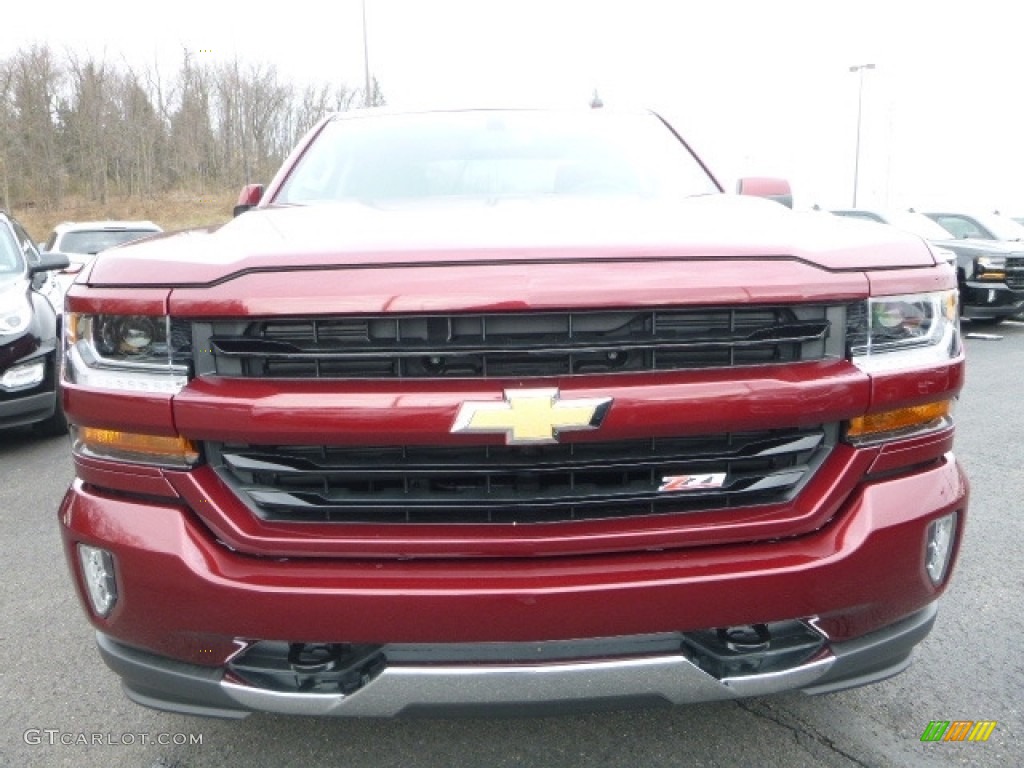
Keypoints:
pixel 793 333
pixel 524 344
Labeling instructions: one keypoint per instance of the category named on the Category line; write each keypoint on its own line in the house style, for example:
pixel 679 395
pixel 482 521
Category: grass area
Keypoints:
pixel 172 211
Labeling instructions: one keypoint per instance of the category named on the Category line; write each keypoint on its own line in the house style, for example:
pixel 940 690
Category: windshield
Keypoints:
pixel 488 154
pixel 11 260
pixel 93 241
pixel 1002 227
pixel 985 226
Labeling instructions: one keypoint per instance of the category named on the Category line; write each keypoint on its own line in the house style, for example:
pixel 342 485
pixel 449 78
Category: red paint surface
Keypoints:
pixel 180 588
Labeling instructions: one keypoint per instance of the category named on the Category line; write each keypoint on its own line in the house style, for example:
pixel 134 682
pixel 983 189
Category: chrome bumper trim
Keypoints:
pixel 673 678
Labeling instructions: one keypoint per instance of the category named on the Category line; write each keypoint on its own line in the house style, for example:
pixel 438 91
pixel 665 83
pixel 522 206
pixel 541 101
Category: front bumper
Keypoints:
pixel 188 607
pixel 395 689
pixel 30 409
pixel 989 301
pixel 33 404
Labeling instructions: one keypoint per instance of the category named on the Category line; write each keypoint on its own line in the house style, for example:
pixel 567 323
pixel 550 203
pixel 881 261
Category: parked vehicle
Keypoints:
pixel 978 226
pixel 503 407
pixel 80 241
pixel 29 333
pixel 990 273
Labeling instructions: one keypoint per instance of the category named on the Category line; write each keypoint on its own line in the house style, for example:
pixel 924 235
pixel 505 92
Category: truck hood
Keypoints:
pixel 353 234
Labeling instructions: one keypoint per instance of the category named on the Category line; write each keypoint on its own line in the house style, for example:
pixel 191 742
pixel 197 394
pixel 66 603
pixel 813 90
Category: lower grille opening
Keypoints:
pixel 333 668
pixel 521 484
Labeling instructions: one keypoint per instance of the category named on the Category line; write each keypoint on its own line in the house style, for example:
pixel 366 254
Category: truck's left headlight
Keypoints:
pixel 892 333
pixel 136 353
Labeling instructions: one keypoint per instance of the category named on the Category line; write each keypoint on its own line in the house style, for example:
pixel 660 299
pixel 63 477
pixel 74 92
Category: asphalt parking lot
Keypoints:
pixel 61 707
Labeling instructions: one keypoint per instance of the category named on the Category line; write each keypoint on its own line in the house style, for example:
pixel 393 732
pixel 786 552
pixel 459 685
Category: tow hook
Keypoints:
pixel 749 638
pixel 317 667
pixel 315 658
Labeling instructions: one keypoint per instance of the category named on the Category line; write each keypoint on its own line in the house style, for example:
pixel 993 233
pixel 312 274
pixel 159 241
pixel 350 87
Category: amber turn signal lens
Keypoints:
pixel 133 446
pixel 899 419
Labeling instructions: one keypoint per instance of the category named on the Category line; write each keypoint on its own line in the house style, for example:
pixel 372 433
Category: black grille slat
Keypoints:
pixel 273 348
pixel 517 483
pixel 528 344
pixel 537 458
pixel 1015 272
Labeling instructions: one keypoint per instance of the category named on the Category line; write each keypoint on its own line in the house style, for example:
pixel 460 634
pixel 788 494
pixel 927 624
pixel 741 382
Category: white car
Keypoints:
pixel 80 241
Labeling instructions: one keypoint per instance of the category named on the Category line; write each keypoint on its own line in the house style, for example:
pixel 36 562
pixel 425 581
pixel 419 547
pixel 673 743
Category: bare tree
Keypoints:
pixel 99 129
pixel 376 94
pixel 85 126
pixel 253 105
pixel 34 84
pixel 140 139
pixel 192 144
pixel 7 123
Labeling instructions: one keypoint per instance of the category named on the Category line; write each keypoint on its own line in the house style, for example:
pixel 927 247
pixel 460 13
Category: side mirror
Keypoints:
pixel 249 197
pixel 49 262
pixel 774 189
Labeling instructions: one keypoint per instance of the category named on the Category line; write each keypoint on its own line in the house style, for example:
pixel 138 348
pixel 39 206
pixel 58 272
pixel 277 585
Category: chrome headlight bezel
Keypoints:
pixel 990 269
pixel 991 263
pixel 137 353
pixel 892 333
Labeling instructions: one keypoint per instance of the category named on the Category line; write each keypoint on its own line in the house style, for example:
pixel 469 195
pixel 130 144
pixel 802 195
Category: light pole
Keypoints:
pixel 859 69
pixel 366 61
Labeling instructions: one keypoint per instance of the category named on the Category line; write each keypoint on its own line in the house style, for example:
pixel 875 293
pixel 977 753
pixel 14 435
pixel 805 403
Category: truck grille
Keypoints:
pixel 1015 272
pixel 514 345
pixel 521 484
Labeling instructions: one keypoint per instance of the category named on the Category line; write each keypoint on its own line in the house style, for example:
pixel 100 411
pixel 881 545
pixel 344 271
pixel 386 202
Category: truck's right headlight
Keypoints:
pixel 891 333
pixel 137 353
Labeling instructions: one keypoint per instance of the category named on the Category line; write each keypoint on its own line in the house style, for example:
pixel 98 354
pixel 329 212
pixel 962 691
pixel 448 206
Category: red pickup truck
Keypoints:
pixel 502 408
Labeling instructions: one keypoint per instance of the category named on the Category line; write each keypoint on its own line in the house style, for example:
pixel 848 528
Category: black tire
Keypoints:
pixel 987 320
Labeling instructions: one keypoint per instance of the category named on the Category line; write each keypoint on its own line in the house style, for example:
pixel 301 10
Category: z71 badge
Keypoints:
pixel 705 482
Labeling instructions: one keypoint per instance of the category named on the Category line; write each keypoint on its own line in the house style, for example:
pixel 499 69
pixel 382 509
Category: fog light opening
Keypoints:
pixel 98 573
pixel 939 547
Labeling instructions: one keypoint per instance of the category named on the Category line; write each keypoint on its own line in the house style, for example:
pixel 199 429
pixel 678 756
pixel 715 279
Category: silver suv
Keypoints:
pixel 81 241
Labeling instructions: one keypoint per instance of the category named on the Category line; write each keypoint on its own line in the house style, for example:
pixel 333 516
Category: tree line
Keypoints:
pixel 77 125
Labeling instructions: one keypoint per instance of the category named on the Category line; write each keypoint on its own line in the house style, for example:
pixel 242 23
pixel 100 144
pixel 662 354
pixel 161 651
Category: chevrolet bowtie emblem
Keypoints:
pixel 531 415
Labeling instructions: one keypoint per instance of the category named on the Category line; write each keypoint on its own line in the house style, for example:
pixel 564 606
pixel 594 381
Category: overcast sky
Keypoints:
pixel 758 87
